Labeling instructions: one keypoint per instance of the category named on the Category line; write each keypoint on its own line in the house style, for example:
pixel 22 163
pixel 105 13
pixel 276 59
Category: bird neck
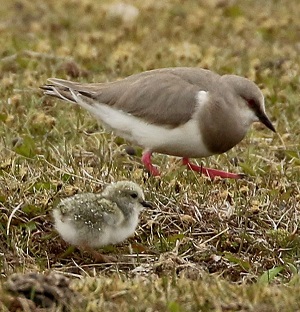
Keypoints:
pixel 221 124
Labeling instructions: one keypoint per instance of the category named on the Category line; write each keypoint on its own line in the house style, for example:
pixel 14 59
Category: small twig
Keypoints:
pixel 217 235
pixel 80 268
pixel 11 216
pixel 69 173
pixel 34 54
pixel 69 274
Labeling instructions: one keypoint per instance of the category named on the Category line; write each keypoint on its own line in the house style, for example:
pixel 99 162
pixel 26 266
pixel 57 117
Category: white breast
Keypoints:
pixel 65 228
pixel 119 234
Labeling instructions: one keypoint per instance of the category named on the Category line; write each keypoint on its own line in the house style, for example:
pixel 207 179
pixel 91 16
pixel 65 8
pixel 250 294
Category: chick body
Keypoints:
pixel 97 220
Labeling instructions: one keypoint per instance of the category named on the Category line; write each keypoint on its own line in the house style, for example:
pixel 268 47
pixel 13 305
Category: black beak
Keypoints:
pixel 263 118
pixel 146 204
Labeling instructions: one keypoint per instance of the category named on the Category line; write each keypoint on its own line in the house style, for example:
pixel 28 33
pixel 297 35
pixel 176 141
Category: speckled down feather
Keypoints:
pixel 99 219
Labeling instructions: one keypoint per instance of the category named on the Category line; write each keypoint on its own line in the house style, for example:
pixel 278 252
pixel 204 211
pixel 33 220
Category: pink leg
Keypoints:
pixel 210 172
pixel 146 159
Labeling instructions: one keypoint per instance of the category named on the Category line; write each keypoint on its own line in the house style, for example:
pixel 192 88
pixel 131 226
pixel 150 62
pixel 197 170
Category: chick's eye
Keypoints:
pixel 134 195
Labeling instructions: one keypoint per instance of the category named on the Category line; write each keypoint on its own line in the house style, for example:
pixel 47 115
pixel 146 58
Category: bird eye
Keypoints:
pixel 251 103
pixel 134 195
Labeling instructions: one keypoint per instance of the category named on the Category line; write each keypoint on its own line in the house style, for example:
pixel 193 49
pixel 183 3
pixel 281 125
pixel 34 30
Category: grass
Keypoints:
pixel 206 245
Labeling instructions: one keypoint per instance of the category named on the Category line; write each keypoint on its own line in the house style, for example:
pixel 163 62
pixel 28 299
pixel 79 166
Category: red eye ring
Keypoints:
pixel 251 103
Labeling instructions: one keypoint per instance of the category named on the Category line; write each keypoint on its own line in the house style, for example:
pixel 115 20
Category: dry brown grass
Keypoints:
pixel 206 245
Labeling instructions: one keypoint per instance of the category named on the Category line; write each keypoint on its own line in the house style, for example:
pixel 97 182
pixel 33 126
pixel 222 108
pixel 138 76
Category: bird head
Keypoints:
pixel 252 106
pixel 127 195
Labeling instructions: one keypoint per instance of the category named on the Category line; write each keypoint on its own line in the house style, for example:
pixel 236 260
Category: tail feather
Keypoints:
pixel 63 94
pixel 62 83
pixel 64 90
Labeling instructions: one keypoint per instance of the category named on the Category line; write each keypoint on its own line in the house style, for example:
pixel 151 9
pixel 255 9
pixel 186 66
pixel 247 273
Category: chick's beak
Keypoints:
pixel 146 204
pixel 263 118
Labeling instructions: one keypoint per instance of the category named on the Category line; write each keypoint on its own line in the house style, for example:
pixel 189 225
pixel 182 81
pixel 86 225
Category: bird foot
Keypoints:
pixel 100 258
pixel 212 173
pixel 146 159
pixel 97 256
